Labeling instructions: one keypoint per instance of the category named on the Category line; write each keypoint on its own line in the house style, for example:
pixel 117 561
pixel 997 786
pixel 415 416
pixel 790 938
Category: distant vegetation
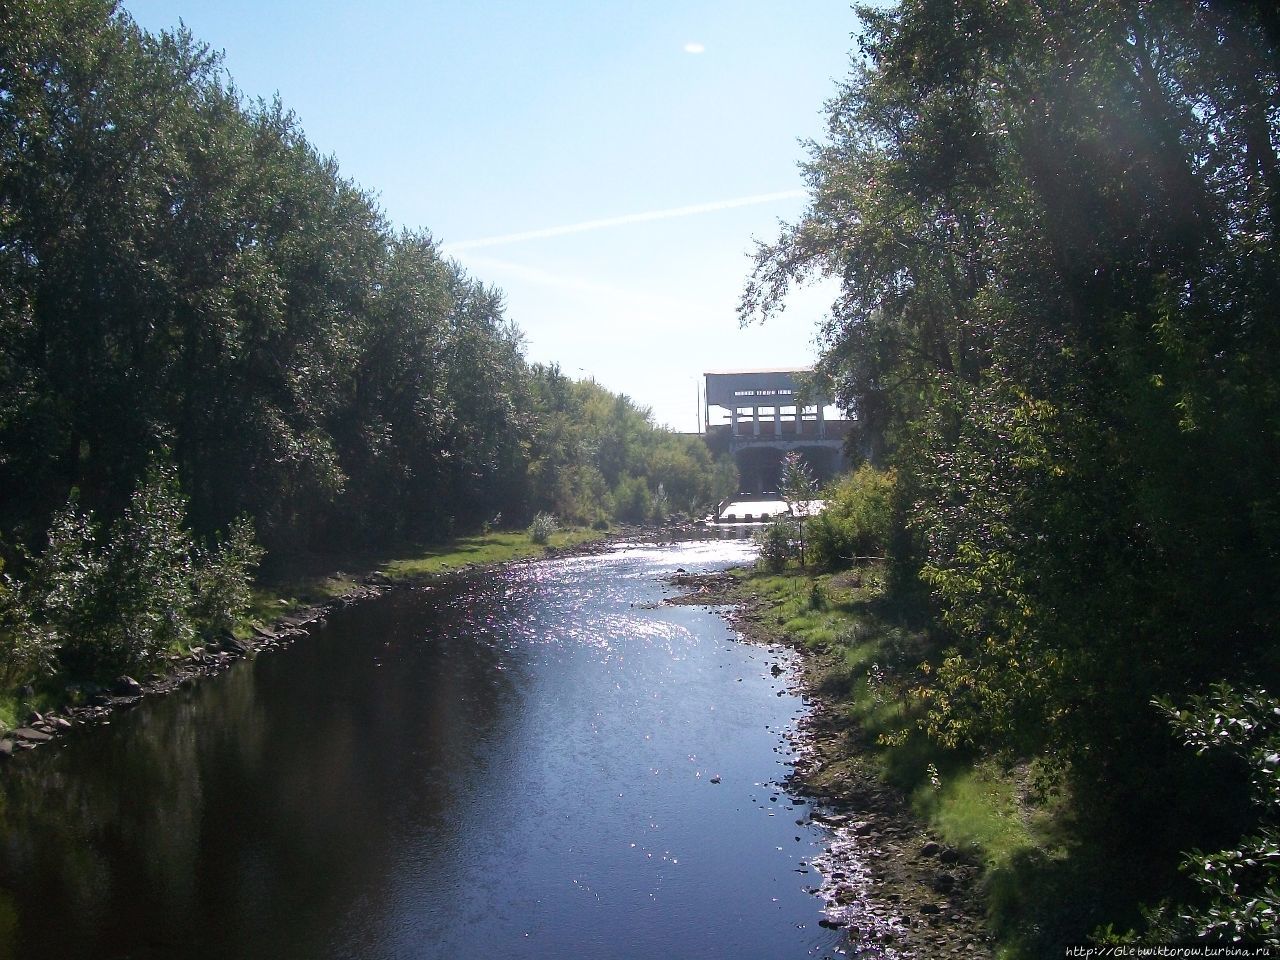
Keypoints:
pixel 1055 228
pixel 205 330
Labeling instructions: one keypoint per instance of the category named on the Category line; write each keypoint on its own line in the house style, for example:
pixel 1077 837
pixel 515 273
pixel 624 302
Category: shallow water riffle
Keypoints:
pixel 541 761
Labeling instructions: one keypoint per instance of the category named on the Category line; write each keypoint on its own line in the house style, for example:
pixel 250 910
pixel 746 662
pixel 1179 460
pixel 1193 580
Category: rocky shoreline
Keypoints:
pixel 896 891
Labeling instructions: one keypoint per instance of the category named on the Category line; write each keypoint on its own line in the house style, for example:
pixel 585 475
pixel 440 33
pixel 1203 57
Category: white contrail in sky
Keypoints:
pixel 657 304
pixel 620 221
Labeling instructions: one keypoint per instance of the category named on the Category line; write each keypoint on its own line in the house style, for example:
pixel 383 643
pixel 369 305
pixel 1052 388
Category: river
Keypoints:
pixel 543 762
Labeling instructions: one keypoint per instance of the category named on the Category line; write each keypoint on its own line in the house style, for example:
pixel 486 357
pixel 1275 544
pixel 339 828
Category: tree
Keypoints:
pixel 1238 889
pixel 1055 230
pixel 800 491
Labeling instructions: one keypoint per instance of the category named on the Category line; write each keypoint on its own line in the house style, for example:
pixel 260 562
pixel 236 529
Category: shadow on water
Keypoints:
pixel 516 764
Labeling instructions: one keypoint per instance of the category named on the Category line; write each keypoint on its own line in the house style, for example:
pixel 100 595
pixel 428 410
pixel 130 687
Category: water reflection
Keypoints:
pixel 514 765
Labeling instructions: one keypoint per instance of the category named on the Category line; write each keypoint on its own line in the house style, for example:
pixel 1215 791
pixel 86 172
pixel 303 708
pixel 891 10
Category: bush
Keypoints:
pixel 27 651
pixel 661 505
pixel 147 595
pixel 631 499
pixel 96 608
pixel 222 578
pixel 60 599
pixel 857 519
pixel 1236 888
pixel 777 544
pixel 543 526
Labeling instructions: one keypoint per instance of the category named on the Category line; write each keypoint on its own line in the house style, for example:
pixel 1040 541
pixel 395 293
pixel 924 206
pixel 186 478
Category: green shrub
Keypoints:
pixel 660 508
pixel 543 526
pixel 222 578
pixel 97 607
pixel 27 651
pixel 631 499
pixel 856 521
pixel 1235 889
pixel 777 544
pixel 147 594
pixel 60 598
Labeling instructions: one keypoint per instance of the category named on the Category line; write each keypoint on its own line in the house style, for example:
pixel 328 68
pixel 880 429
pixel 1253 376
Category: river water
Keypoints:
pixel 542 762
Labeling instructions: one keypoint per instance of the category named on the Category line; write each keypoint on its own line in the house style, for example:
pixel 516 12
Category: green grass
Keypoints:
pixel 870 654
pixel 270 603
pixel 14 709
pixel 483 550
pixel 290 589
pixel 977 809
pixel 816 618
pixel 9 709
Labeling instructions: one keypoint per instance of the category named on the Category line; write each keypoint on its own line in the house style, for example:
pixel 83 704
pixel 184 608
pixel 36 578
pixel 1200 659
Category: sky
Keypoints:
pixel 609 165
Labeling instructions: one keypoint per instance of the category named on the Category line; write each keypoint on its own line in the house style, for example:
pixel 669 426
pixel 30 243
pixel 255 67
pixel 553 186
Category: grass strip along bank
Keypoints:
pixel 289 598
pixel 957 837
pixel 316 579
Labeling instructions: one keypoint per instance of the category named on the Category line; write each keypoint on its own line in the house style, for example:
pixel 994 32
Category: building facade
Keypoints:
pixel 758 416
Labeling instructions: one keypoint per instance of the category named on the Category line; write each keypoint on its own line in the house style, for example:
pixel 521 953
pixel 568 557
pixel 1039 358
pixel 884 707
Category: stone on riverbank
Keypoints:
pixel 127 687
pixel 32 735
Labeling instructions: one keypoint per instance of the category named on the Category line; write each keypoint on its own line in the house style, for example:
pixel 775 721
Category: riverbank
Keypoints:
pixel 889 877
pixel 493 734
pixel 293 599
pixel 910 860
pixel 306 581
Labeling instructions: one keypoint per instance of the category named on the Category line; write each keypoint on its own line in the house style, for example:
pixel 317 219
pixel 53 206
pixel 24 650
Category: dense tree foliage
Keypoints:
pixel 1239 888
pixel 184 277
pixel 596 455
pixel 1055 229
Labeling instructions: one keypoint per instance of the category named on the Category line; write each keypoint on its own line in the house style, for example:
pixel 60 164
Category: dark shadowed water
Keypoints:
pixel 515 765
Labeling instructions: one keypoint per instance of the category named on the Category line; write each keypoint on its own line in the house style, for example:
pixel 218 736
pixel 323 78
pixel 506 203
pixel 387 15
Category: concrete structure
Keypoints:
pixel 761 509
pixel 766 420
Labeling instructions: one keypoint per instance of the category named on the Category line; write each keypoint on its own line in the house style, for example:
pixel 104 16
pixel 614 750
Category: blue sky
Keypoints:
pixel 661 136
